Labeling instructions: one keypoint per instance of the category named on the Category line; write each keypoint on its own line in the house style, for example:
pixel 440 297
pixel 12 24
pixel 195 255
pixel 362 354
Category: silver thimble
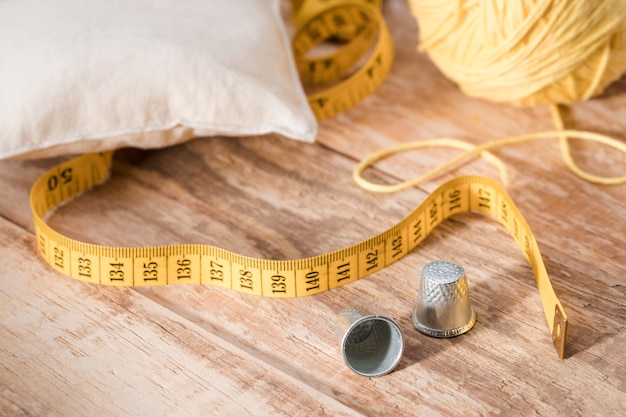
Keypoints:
pixel 371 345
pixel 443 304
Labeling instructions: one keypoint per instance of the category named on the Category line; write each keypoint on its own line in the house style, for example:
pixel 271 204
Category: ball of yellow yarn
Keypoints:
pixel 527 52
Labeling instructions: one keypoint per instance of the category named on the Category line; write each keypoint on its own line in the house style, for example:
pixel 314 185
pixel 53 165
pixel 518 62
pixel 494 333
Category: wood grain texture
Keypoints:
pixel 69 348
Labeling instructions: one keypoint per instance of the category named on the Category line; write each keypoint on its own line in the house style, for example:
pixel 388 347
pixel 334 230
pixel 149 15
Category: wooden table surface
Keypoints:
pixel 69 348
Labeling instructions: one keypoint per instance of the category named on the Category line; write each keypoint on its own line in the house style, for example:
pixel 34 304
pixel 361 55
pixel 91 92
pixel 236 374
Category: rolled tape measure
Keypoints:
pixel 360 30
pixel 210 265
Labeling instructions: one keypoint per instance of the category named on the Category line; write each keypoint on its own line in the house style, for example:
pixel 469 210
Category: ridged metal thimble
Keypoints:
pixel 443 303
pixel 371 345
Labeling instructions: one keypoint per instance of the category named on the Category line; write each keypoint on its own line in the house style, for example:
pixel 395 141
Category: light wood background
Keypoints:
pixel 74 349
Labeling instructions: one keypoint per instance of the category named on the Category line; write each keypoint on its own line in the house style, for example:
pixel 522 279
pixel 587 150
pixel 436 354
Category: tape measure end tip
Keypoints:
pixel 559 331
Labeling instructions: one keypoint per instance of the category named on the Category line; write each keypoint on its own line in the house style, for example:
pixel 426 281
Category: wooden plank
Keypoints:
pixel 508 350
pixel 201 197
pixel 275 198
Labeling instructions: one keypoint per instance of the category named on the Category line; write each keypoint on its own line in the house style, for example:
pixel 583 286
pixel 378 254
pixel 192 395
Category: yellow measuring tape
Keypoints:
pixel 203 264
pixel 209 265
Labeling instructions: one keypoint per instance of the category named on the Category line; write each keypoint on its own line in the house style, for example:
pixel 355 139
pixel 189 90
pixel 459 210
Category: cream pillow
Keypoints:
pixel 81 76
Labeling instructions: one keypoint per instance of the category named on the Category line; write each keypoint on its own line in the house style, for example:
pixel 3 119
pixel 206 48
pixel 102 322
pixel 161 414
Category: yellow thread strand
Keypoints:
pixel 433 143
pixel 481 150
pixel 569 161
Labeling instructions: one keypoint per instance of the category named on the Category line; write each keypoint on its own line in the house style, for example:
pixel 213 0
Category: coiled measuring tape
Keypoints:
pixel 210 265
pixel 361 27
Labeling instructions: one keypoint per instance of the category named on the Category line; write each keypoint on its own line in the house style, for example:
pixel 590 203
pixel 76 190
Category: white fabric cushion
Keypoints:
pixel 81 76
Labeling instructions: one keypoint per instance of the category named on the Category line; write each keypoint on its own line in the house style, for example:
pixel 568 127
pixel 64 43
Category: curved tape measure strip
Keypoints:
pixel 203 264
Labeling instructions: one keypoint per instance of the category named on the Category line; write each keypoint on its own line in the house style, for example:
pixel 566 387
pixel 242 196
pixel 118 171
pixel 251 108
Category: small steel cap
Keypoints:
pixel 443 303
pixel 371 345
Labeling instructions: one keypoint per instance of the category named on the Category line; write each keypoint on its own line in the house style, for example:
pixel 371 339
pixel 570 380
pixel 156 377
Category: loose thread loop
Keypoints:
pixel 567 155
pixel 472 151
